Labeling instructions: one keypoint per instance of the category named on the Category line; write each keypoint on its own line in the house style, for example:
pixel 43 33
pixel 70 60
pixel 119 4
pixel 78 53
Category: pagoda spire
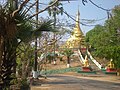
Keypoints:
pixel 77 30
pixel 77 37
pixel 78 19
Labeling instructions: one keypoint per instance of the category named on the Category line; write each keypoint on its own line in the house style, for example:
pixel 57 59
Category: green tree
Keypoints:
pixel 68 53
pixel 55 10
pixel 24 60
pixel 15 28
pixel 106 39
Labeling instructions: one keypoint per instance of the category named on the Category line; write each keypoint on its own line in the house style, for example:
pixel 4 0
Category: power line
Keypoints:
pixel 99 6
pixel 75 19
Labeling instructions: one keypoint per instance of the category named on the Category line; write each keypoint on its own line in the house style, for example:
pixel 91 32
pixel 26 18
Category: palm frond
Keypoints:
pixel 46 26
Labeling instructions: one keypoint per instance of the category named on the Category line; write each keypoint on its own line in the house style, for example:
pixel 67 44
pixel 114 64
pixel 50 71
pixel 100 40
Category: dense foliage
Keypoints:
pixel 16 28
pixel 105 40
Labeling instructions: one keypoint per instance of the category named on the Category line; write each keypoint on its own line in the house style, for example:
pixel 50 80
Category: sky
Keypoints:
pixel 88 11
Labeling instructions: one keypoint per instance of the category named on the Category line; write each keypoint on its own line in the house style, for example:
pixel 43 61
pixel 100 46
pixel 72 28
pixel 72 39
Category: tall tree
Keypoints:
pixel 68 53
pixel 106 39
pixel 15 27
pixel 54 11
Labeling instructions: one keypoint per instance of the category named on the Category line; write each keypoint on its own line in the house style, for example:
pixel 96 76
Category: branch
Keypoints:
pixel 54 41
pixel 20 7
pixel 30 7
pixel 44 8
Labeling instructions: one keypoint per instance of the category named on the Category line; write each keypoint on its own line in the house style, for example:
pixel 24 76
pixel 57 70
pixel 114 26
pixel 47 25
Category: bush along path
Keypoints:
pixel 59 71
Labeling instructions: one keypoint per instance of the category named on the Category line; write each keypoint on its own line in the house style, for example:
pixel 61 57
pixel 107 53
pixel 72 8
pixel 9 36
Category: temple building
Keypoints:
pixel 76 39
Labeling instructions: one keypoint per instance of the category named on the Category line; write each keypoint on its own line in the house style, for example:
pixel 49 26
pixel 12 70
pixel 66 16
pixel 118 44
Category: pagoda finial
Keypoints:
pixel 78 18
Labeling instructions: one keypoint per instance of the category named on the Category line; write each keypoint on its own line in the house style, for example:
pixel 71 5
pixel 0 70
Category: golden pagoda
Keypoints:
pixel 76 39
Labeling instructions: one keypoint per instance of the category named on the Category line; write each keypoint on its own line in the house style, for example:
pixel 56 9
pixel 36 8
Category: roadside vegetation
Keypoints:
pixel 105 39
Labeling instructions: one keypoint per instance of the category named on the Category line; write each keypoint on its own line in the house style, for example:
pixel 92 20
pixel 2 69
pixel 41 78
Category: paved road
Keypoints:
pixel 71 82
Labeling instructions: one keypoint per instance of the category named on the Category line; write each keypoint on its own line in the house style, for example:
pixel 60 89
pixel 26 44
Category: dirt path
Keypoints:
pixel 75 81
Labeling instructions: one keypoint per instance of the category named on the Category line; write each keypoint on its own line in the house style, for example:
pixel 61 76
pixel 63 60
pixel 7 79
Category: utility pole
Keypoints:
pixel 54 51
pixel 35 74
pixel 54 40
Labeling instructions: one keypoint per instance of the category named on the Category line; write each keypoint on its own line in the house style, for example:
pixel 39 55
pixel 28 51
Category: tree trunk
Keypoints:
pixel 68 62
pixel 23 70
pixel 7 73
pixel 1 51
